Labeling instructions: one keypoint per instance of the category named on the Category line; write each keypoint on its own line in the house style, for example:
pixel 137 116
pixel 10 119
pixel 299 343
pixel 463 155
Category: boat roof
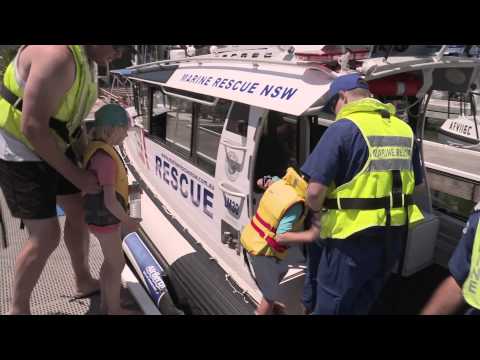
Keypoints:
pixel 287 80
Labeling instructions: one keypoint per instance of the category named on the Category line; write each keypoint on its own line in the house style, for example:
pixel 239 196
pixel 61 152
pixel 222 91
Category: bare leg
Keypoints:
pixel 103 302
pixel 110 273
pixel 44 238
pixel 77 241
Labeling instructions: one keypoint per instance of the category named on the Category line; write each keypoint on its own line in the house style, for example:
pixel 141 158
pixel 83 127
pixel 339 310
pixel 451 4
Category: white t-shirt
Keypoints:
pixel 10 148
pixel 13 150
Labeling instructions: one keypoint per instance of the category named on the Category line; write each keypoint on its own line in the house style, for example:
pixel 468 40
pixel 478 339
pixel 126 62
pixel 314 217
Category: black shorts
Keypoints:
pixel 31 188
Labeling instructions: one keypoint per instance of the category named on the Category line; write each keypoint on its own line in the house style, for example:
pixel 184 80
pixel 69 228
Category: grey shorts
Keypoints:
pixel 269 272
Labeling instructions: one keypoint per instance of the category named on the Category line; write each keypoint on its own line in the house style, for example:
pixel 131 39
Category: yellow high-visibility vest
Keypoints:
pixel 471 286
pixel 363 201
pixel 74 107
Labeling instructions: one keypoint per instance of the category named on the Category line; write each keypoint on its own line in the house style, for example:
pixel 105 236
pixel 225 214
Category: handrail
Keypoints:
pixel 203 102
pixel 110 94
pixel 200 60
pixel 225 190
pixel 313 110
pixel 441 53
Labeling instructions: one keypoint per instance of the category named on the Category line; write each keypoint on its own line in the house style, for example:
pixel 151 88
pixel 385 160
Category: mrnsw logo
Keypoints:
pixel 233 205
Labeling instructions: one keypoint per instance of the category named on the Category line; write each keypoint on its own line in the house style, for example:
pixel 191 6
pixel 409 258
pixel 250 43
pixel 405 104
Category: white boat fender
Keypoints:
pixel 150 272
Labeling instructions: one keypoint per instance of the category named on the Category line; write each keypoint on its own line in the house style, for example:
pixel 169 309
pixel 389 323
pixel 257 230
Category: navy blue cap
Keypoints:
pixel 343 83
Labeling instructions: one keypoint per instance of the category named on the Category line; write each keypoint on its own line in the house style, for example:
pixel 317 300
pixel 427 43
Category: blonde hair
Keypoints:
pixel 103 132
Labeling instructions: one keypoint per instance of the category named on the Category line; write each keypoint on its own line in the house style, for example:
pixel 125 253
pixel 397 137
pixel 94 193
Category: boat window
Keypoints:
pixel 171 122
pixel 211 120
pixel 158 121
pixel 179 124
pixel 238 119
pixel 141 101
pixel 278 148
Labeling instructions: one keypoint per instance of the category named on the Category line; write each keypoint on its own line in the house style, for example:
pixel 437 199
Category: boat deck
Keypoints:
pixel 54 290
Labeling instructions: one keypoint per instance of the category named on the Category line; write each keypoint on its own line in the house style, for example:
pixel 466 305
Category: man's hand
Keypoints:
pixel 281 239
pixel 447 299
pixel 291 237
pixel 87 182
pixel 313 233
pixel 264 182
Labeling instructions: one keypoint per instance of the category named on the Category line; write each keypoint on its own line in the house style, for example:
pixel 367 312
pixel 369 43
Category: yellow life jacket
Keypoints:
pixel 471 286
pixel 74 106
pixel 381 193
pixel 258 237
pixel 95 211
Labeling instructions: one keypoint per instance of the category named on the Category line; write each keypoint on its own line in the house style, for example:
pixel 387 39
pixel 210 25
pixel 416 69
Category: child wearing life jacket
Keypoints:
pixel 107 212
pixel 282 211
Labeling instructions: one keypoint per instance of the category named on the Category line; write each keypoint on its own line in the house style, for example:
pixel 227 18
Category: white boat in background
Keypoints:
pixel 458 118
pixel 463 128
pixel 206 127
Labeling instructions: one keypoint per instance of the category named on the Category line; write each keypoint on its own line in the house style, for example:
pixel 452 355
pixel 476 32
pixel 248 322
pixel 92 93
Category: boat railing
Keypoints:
pixel 255 61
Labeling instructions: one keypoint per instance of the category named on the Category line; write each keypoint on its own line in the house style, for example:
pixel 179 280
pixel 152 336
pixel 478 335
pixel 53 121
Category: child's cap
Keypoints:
pixel 111 114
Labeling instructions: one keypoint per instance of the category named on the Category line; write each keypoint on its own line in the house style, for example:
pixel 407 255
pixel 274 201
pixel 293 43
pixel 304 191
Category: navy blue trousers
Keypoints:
pixel 347 276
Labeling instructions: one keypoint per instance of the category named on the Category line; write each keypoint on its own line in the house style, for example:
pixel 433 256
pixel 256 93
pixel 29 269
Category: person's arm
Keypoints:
pixel 114 206
pixel 51 72
pixel 322 166
pixel 285 234
pixel 291 238
pixel 447 299
pixel 80 145
pixel 316 193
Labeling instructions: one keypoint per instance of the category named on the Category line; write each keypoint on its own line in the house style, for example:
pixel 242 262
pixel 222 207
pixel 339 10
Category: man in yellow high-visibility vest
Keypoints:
pixel 462 287
pixel 362 173
pixel 45 94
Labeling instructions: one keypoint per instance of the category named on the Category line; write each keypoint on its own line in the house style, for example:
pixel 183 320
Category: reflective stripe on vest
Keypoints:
pixel 390 153
pixel 270 240
pixel 258 237
pixel 471 286
pixel 390 144
pixel 74 106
